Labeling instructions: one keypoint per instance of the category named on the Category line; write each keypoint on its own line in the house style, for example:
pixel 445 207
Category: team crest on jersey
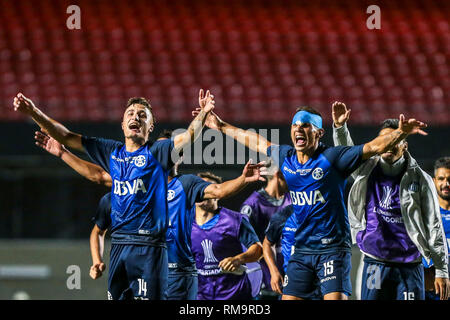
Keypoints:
pixel 208 251
pixel 247 210
pixel 317 174
pixel 170 195
pixel 139 161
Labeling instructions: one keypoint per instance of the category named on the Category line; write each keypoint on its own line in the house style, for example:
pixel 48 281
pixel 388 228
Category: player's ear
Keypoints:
pixel 321 133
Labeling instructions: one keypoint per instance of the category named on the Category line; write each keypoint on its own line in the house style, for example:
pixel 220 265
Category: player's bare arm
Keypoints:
pixel 269 256
pixel 97 241
pixel 206 103
pixel 253 254
pixel 250 139
pixel 87 169
pixel 54 128
pixel 386 142
pixel 250 173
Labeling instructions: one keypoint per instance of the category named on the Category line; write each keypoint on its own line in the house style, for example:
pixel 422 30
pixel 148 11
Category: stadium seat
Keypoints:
pixel 260 58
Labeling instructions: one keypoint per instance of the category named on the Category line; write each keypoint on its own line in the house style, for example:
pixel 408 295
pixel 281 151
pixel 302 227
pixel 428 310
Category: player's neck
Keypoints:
pixel 132 145
pixel 202 216
pixel 444 204
pixel 304 156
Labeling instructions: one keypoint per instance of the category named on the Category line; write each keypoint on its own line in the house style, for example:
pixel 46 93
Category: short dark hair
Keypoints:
pixel 210 176
pixel 443 162
pixel 389 123
pixel 165 134
pixel 142 101
pixel 308 109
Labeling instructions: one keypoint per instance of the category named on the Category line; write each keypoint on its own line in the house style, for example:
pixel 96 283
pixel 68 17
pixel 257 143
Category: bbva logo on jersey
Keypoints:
pixel 122 188
pixel 300 198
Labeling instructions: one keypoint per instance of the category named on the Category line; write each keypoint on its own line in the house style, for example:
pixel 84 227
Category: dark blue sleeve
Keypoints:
pixel 275 227
pixel 345 159
pixel 247 235
pixel 162 151
pixel 99 149
pixel 279 153
pixel 103 214
pixel 193 187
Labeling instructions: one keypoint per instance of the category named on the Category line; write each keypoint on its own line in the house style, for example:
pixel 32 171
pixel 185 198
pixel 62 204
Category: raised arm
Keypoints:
pixel 54 128
pixel 385 142
pixel 89 170
pixel 340 114
pixel 206 102
pixel 251 173
pixel 250 139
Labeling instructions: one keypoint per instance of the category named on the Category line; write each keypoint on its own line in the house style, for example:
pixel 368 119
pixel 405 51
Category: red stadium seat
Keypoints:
pixel 253 56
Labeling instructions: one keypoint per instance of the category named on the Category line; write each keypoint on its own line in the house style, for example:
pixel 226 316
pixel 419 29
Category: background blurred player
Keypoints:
pixel 218 237
pixel 316 177
pixel 102 222
pixel 442 182
pixel 279 234
pixel 259 207
pixel 138 265
pixel 393 212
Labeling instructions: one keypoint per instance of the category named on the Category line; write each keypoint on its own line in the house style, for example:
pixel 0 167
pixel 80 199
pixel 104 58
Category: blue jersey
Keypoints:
pixel 446 223
pixel 282 228
pixel 103 214
pixel 183 192
pixel 317 193
pixel 139 210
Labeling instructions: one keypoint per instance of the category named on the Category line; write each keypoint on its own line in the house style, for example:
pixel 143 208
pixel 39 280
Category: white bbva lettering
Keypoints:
pixel 300 198
pixel 122 188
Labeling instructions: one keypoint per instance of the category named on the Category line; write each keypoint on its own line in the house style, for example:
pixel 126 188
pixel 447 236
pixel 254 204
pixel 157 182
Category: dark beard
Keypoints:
pixel 441 195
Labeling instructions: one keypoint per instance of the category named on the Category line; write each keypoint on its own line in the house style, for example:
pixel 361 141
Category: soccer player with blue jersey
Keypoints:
pixel 183 192
pixel 316 177
pixel 442 182
pixel 394 219
pixel 139 170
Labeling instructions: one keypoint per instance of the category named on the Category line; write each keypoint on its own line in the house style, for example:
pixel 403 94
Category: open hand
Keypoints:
pixel 205 101
pixel 254 172
pixel 340 113
pixel 411 126
pixel 49 144
pixel 442 286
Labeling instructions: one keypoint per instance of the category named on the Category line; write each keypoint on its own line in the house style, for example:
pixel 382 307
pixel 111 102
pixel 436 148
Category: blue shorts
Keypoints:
pixel 137 272
pixel 182 285
pixel 392 281
pixel 311 275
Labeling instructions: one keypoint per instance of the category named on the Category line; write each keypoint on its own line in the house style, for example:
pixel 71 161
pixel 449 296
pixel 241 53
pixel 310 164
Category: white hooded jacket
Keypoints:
pixel 418 201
